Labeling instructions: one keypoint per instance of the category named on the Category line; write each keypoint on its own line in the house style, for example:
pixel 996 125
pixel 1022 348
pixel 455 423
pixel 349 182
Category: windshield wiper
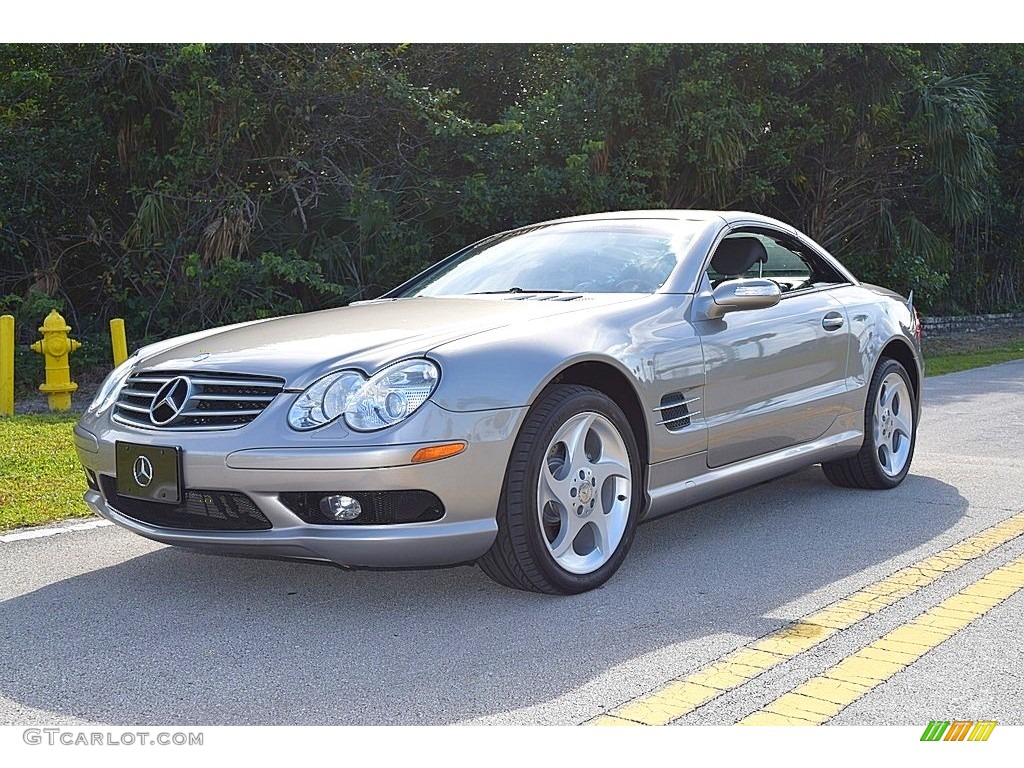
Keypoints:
pixel 516 290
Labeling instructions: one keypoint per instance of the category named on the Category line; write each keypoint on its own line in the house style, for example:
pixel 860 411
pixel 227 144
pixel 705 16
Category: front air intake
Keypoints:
pixel 675 411
pixel 200 510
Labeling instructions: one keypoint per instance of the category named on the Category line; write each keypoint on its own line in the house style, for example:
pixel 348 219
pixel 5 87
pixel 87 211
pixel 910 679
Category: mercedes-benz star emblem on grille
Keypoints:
pixel 170 401
pixel 142 470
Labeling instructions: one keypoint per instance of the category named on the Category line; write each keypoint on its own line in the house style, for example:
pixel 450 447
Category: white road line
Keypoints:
pixel 40 533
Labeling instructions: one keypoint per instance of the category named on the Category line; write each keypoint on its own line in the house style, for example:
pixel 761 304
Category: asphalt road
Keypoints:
pixel 100 626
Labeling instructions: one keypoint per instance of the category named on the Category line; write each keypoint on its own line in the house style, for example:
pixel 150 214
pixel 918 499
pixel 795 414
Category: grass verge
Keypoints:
pixel 951 362
pixel 40 477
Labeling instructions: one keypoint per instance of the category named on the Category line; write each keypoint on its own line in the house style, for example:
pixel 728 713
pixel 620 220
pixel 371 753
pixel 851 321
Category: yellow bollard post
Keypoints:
pixel 118 341
pixel 7 365
pixel 55 346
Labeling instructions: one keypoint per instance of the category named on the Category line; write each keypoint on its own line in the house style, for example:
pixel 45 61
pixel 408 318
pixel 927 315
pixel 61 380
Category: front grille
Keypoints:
pixel 209 401
pixel 379 507
pixel 200 511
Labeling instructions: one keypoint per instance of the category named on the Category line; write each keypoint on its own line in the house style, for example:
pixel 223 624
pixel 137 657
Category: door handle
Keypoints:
pixel 833 321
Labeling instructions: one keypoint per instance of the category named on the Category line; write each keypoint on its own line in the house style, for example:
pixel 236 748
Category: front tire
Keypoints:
pixel 571 498
pixel 890 433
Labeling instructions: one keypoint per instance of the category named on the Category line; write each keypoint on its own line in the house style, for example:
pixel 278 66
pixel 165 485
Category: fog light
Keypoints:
pixel 340 507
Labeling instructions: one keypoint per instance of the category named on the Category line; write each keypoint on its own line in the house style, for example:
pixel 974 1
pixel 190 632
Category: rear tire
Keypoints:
pixel 890 433
pixel 571 498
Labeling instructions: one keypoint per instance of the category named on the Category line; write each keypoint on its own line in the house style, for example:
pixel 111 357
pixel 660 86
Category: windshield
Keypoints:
pixel 614 256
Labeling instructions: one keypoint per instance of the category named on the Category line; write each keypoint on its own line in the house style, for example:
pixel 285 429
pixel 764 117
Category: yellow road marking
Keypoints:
pixel 823 697
pixel 609 720
pixel 683 695
pixel 660 707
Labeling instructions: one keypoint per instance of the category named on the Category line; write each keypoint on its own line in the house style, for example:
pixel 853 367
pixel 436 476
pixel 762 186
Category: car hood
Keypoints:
pixel 303 347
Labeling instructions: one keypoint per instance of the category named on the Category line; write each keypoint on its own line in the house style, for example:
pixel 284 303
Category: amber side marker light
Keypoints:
pixel 435 452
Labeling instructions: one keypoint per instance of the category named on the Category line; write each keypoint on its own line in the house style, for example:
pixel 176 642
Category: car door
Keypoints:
pixel 775 377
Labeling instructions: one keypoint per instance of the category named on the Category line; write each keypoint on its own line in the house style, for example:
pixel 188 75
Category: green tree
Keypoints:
pixel 186 185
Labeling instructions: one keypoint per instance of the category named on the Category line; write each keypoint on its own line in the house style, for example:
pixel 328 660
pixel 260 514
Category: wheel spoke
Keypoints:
pixel 576 440
pixel 602 537
pixel 885 457
pixel 551 488
pixel 902 425
pixel 888 394
pixel 562 546
pixel 609 467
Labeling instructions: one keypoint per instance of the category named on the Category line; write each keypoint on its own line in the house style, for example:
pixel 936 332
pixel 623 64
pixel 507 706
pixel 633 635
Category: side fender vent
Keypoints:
pixel 675 411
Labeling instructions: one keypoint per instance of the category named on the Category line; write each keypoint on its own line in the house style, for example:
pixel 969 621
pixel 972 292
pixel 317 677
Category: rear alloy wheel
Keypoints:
pixel 890 433
pixel 572 494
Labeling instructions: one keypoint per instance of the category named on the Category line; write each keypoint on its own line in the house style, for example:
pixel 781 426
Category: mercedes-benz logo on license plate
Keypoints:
pixel 142 471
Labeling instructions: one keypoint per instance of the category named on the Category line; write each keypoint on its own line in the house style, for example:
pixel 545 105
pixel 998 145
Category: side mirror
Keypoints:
pixel 748 293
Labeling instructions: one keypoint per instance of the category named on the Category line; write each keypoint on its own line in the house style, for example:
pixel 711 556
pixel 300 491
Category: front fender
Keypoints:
pixel 877 318
pixel 509 372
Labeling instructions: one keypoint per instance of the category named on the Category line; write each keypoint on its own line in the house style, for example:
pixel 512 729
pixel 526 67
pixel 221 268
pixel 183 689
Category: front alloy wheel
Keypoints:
pixel 571 497
pixel 893 424
pixel 889 433
pixel 584 493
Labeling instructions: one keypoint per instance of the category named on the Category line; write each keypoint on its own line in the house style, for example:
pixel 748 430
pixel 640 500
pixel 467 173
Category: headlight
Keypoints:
pixel 111 385
pixel 391 395
pixel 324 400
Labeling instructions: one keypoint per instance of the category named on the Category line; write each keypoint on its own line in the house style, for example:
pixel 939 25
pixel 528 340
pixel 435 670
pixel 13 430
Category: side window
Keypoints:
pixel 783 260
pixel 784 265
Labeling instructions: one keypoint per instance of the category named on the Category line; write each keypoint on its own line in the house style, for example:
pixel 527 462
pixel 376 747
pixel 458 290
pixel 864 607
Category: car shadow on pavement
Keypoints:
pixel 176 637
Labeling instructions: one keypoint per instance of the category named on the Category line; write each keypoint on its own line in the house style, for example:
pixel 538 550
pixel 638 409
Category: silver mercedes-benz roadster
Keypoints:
pixel 522 404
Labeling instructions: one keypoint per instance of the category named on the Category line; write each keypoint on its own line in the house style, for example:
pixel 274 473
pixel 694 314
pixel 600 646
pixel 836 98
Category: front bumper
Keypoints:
pixel 252 460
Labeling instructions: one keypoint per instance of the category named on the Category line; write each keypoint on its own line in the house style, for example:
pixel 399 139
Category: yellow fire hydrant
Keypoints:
pixel 56 346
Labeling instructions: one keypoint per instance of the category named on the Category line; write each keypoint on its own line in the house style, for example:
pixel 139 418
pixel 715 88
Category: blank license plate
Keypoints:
pixel 149 472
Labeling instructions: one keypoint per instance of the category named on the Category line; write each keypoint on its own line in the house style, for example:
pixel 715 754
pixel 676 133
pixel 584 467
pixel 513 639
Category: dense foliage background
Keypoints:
pixel 185 186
